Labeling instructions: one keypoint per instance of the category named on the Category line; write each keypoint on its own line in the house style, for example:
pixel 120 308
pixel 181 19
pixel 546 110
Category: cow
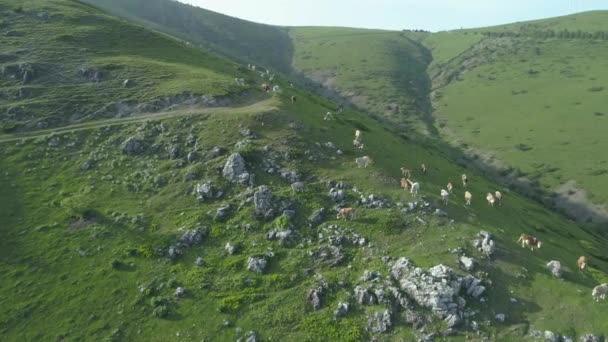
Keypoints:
pixel 423 168
pixel 450 187
pixel 599 292
pixel 530 241
pixel 293 99
pixel 357 134
pixel 498 196
pixel 405 184
pixel 582 263
pixel 445 196
pixel 328 116
pixel 490 198
pixel 265 87
pixel 297 187
pixel 414 188
pixel 468 197
pixel 364 161
pixel 407 173
pixel 346 213
pixel 465 180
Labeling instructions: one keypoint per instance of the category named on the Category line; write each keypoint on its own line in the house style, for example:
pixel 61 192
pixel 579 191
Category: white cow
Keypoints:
pixel 599 292
pixel 445 196
pixel 414 189
pixel 364 161
pixel 490 198
pixel 468 197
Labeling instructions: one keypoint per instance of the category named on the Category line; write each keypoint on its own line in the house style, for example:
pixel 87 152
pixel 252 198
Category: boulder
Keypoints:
pixel 217 151
pixel 222 212
pixel 203 191
pixel 591 338
pixel 501 317
pixel 199 262
pixel 133 146
pixel 256 264
pixel 291 176
pixel 191 157
pixel 550 336
pixel 234 167
pixel 174 152
pixel 179 292
pixel 379 322
pixel 314 297
pixel 367 275
pixel 440 213
pixel 341 310
pixel 337 195
pixel 466 262
pixel 363 296
pixel 191 238
pixel 262 200
pixel 230 248
pixel 316 217
pixel 555 267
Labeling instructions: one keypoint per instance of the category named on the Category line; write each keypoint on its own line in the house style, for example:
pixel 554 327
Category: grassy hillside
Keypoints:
pixel 245 41
pixel 380 71
pixel 91 229
pixel 114 68
pixel 535 104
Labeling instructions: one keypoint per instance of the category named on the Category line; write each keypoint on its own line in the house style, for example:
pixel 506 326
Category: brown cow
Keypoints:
pixel 498 196
pixel 530 241
pixel 582 263
pixel 293 99
pixel 346 213
pixel 450 187
pixel 405 184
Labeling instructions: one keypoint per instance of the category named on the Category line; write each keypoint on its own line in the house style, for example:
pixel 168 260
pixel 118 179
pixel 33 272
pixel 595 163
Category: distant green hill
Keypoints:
pixel 146 226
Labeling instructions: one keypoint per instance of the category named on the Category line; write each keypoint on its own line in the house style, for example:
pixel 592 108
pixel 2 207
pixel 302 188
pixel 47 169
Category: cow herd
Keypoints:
pixel 493 199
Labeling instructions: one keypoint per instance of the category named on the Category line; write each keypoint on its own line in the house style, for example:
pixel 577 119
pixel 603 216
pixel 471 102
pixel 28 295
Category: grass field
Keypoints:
pixel 86 228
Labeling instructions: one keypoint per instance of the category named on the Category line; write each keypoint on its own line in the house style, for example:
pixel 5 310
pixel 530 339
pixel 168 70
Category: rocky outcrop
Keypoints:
pixel 485 244
pixel 234 169
pixel 555 267
pixel 256 264
pixel 262 200
pixel 133 146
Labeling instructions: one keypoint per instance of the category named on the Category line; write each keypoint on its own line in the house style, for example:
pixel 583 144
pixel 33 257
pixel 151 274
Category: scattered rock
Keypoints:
pixel 173 152
pixel 290 175
pixel 317 217
pixel 217 151
pixel 380 322
pixel 128 83
pixel 550 336
pixel 367 275
pixel 337 195
pixel 467 263
pixel 485 244
pixel 234 167
pixel 174 252
pixel 191 238
pixel 222 212
pixel 591 338
pixel 179 292
pixel 555 267
pixel 289 213
pixel 256 264
pixel 230 248
pixel 501 317
pixel 191 157
pixel 203 191
pixel 87 165
pixel 132 146
pixel 440 213
pixel 262 200
pixel 314 297
pixel 199 262
pixel 364 296
pixel 341 310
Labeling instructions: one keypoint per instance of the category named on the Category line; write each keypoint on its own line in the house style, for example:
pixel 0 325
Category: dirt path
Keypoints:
pixel 260 106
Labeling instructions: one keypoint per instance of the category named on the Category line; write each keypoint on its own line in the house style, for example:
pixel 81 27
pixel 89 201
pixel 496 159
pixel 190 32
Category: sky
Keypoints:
pixel 431 15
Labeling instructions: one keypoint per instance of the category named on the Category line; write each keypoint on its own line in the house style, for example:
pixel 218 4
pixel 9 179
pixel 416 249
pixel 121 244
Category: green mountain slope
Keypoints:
pixel 245 41
pixel 104 221
pixel 40 87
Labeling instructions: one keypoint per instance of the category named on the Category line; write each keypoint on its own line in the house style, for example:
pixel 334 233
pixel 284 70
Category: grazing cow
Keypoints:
pixel 465 180
pixel 364 161
pixel 414 188
pixel 490 198
pixel 357 134
pixel 423 168
pixel 297 187
pixel 468 197
pixel 445 196
pixel 346 213
pixel 530 241
pixel 328 116
pixel 405 184
pixel 450 187
pixel 265 87
pixel 498 196
pixel 293 99
pixel 582 263
pixel 599 292
pixel 407 173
